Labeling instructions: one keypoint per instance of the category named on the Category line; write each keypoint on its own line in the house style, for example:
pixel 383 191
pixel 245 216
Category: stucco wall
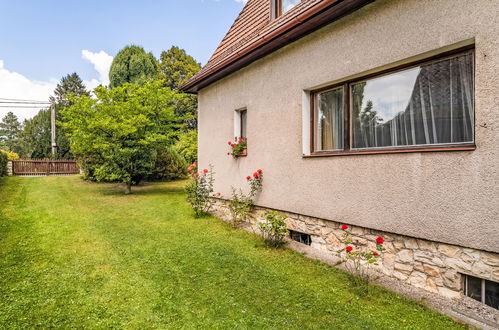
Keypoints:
pixel 450 197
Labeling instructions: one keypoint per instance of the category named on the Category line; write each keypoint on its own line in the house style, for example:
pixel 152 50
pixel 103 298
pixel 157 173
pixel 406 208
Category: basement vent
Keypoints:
pixel 300 237
pixel 487 292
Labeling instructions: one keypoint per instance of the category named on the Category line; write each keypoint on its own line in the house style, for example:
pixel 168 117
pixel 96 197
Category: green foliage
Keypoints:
pixel 119 131
pixel 36 138
pixel 238 147
pixel 241 203
pixel 10 131
pixel 3 163
pixel 199 189
pixel 187 145
pixel 169 165
pixel 70 84
pixel 176 67
pixel 10 155
pixel 133 65
pixel 274 228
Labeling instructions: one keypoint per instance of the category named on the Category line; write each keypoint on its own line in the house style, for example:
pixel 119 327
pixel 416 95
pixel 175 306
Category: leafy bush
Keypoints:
pixel 273 229
pixel 187 145
pixel 3 164
pixel 199 190
pixel 170 165
pixel 359 262
pixel 10 155
pixel 241 203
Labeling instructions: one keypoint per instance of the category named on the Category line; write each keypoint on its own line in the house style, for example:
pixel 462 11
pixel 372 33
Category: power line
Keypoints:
pixel 34 101
pixel 23 107
pixel 15 102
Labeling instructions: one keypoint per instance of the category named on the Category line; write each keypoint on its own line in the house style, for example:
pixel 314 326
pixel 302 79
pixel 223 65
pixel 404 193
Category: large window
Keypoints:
pixel 280 7
pixel 423 106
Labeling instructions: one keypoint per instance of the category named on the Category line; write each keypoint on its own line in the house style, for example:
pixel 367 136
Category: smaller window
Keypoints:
pixel 280 7
pixel 240 123
pixel 300 237
pixel 487 292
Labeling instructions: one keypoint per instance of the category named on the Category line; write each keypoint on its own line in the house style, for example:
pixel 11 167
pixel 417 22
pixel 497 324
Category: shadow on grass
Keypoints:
pixel 143 189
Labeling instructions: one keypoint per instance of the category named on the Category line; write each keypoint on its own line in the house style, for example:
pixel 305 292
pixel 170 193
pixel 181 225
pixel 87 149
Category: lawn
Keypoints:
pixel 77 254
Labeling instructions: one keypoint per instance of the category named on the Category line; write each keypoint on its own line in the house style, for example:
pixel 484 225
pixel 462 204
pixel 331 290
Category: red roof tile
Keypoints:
pixel 254 27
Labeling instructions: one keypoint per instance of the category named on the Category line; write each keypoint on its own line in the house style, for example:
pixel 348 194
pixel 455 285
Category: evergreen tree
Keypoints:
pixel 133 65
pixel 10 129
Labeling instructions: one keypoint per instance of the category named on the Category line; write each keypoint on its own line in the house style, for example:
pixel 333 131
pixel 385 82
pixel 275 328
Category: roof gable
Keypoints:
pixel 254 34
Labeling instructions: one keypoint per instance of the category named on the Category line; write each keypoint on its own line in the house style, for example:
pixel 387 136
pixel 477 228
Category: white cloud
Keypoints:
pixel 16 86
pixel 102 63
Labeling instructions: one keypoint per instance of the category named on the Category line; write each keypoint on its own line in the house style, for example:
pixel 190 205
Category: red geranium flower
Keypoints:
pixel 219 194
pixel 255 175
pixel 205 171
pixel 245 139
pixel 259 171
pixel 380 240
pixel 375 254
pixel 344 227
pixel 248 178
pixel 240 141
pixel 349 249
pixel 230 143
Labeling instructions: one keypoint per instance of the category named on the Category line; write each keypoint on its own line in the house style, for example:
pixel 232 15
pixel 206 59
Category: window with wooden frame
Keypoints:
pixel 240 123
pixel 280 7
pixel 423 106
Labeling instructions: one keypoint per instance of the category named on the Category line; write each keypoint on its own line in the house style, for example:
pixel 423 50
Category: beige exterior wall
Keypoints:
pixel 450 197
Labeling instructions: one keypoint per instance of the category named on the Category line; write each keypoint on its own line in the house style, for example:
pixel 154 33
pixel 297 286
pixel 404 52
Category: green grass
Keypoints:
pixel 77 254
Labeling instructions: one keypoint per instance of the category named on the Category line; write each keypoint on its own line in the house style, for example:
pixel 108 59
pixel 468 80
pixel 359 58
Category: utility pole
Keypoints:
pixel 52 130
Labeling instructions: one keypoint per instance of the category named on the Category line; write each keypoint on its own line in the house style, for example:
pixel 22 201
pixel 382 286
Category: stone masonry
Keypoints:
pixel 432 266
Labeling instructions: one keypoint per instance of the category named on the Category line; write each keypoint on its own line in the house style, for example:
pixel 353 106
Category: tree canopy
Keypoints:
pixel 118 132
pixel 176 67
pixel 10 130
pixel 133 65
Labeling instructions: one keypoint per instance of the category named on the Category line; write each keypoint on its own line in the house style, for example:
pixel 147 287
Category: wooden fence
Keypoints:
pixel 44 167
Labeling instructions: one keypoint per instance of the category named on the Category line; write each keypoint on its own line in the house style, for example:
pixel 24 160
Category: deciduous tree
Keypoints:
pixel 133 65
pixel 119 131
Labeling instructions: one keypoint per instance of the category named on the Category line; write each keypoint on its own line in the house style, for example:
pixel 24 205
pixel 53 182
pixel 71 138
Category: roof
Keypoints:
pixel 255 34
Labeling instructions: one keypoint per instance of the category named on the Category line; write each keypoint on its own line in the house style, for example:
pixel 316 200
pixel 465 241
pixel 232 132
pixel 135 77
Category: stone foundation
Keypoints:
pixel 432 266
pixel 9 168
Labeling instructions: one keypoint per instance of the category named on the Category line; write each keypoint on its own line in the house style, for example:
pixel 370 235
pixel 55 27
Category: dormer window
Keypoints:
pixel 280 7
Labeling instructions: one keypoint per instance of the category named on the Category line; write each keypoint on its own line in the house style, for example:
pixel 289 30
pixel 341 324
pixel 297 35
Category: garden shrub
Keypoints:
pixel 10 154
pixel 3 164
pixel 273 228
pixel 187 145
pixel 199 190
pixel 169 165
pixel 359 261
pixel 241 203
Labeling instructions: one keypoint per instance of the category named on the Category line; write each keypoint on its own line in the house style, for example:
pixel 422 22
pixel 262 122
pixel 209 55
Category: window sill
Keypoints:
pixel 461 147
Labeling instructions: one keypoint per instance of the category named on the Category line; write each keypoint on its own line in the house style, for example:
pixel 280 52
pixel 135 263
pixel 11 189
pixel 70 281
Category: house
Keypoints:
pixel 382 115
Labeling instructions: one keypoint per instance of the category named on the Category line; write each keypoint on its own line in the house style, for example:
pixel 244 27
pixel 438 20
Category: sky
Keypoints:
pixel 42 41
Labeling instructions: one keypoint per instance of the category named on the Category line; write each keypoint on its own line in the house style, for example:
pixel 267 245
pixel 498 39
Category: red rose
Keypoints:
pixel 255 175
pixel 344 227
pixel 375 254
pixel 205 171
pixel 248 178
pixel 380 240
pixel 349 249
pixel 259 171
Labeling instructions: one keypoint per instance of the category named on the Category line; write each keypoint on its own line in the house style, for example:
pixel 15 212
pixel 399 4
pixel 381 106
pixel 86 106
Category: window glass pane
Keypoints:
pixel 243 116
pixel 429 104
pixel 288 4
pixel 492 294
pixel 474 288
pixel 329 120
